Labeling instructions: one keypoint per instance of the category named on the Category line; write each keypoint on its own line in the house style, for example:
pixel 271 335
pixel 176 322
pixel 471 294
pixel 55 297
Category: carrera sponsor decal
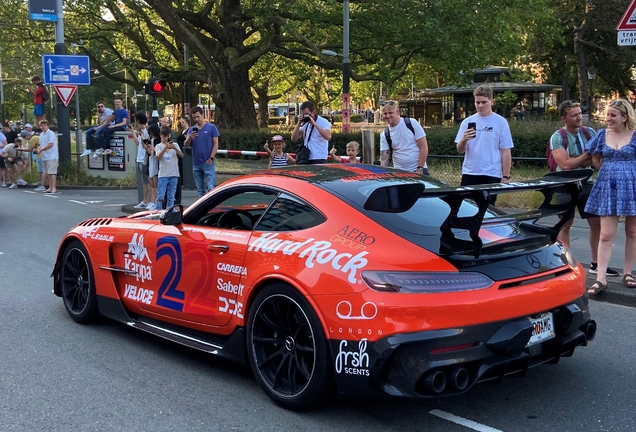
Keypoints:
pixel 231 306
pixel 92 233
pixel 135 257
pixel 354 361
pixel 229 287
pixel 142 295
pixel 367 311
pixel 315 252
pixel 232 269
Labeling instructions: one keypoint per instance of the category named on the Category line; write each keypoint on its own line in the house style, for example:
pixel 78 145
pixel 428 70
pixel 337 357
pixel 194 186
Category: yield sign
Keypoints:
pixel 66 92
pixel 628 22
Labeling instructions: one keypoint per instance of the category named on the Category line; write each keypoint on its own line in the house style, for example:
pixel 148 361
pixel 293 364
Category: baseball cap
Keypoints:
pixel 278 138
pixel 25 134
pixel 28 125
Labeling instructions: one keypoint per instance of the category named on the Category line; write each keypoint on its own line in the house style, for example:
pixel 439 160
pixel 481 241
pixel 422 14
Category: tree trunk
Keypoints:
pixel 263 105
pixel 233 99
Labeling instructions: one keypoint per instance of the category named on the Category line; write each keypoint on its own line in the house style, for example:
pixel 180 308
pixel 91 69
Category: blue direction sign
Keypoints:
pixel 66 69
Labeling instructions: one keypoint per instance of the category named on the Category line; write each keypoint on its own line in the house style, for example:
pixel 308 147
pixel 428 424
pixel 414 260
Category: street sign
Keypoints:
pixel 626 38
pixel 628 22
pixel 42 10
pixel 65 92
pixel 66 69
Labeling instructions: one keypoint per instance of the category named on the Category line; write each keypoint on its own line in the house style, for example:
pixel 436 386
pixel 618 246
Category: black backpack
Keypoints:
pixel 387 132
pixel 45 94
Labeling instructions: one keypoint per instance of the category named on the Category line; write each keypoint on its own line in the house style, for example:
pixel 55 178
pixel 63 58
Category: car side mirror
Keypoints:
pixel 172 215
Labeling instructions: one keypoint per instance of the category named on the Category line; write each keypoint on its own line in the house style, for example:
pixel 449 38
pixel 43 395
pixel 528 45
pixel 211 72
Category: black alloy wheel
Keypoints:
pixel 287 348
pixel 78 285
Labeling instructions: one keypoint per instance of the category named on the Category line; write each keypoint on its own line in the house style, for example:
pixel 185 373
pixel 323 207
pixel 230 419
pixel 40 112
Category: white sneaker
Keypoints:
pixel 13 186
pixel 140 205
pixel 150 206
pixel 22 182
pixel 85 153
pixel 39 188
pixel 96 154
pixel 4 185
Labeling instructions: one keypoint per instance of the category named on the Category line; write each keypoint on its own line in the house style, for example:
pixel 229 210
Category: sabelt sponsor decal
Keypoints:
pixel 229 287
pixel 314 251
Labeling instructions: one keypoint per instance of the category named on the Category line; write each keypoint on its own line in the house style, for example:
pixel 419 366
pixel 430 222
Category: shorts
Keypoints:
pixel 153 167
pixel 9 165
pixel 50 166
pixel 38 161
pixel 38 110
pixel 564 198
pixel 143 170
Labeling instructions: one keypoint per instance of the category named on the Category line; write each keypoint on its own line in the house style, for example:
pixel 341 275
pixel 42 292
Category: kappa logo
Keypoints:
pixel 137 249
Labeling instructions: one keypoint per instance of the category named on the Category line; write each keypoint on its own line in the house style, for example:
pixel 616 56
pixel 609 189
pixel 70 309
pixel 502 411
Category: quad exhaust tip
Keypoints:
pixel 589 329
pixel 459 378
pixel 435 382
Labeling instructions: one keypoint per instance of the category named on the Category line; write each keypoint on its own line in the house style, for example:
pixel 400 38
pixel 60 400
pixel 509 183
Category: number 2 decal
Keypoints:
pixel 169 296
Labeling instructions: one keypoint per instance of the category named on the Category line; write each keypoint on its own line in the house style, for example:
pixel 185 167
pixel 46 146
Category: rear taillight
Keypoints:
pixel 425 282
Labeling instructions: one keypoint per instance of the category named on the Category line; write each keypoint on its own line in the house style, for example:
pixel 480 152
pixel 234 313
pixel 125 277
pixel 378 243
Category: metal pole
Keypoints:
pixel 78 130
pixel 2 93
pixel 346 118
pixel 63 118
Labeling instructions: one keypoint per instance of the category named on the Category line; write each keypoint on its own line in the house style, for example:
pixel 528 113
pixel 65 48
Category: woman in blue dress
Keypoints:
pixel 614 192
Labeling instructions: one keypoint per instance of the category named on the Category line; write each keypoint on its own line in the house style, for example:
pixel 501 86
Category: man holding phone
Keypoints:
pixel 204 139
pixel 486 141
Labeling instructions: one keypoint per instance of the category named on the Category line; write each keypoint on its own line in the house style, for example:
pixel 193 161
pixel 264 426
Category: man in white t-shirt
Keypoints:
pixel 408 148
pixel 140 132
pixel 486 144
pixel 49 153
pixel 315 132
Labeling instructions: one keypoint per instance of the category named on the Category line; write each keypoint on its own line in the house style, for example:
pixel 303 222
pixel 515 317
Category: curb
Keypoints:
pixel 616 292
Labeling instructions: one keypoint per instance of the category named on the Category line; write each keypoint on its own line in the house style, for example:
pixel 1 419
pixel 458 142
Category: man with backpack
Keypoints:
pixel 404 140
pixel 40 98
pixel 567 147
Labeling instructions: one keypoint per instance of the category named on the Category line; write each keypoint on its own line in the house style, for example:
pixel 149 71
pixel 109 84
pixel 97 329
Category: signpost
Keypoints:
pixel 43 10
pixel 66 69
pixel 627 26
pixel 65 92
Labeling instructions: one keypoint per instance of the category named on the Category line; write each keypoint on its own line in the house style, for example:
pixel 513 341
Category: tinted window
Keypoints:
pixel 237 209
pixel 289 214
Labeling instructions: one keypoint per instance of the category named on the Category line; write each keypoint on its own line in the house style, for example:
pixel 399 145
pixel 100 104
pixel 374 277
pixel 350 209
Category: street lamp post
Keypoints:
pixel 78 130
pixel 591 75
pixel 346 117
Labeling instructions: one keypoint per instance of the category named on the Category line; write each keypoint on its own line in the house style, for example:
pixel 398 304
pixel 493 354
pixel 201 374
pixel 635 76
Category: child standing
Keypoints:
pixel 352 152
pixel 167 152
pixel 278 158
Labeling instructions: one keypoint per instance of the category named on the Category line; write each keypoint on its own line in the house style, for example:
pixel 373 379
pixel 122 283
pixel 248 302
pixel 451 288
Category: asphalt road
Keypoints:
pixel 56 375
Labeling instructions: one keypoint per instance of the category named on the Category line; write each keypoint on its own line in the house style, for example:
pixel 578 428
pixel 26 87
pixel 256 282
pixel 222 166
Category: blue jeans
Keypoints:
pixel 105 137
pixel 97 131
pixel 169 183
pixel 204 174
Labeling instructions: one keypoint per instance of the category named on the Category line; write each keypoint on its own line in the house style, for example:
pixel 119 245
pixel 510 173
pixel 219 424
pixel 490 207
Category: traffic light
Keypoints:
pixel 155 86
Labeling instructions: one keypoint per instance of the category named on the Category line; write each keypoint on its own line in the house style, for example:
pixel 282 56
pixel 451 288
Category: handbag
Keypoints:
pixel 303 152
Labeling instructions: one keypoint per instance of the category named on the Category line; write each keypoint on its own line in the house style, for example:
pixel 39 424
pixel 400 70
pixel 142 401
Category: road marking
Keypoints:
pixel 31 192
pixel 94 202
pixel 78 202
pixel 113 205
pixel 462 421
pixel 51 196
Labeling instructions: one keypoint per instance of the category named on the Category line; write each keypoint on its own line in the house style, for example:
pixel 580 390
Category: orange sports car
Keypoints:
pixel 358 279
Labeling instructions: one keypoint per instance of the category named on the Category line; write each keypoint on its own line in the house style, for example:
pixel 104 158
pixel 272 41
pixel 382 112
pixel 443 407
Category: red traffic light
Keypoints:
pixel 155 86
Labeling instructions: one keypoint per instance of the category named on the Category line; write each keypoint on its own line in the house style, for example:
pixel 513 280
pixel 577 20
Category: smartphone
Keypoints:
pixel 472 125
pixel 195 129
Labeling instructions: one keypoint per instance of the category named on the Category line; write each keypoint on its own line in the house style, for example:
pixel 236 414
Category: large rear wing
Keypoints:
pixel 400 198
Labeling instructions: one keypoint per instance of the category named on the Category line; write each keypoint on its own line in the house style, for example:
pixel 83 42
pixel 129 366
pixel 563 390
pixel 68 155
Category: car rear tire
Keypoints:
pixel 287 349
pixel 78 284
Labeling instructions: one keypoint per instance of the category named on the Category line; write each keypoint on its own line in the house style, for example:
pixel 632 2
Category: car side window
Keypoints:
pixel 289 214
pixel 239 210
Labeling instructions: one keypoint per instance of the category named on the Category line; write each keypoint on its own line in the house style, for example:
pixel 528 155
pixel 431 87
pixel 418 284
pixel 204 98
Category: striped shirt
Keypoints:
pixel 278 162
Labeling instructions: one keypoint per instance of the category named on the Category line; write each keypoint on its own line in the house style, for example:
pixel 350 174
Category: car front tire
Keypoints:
pixel 78 284
pixel 287 349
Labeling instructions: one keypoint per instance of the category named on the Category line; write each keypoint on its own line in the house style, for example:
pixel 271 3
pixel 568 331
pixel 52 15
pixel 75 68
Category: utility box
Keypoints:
pixel 120 163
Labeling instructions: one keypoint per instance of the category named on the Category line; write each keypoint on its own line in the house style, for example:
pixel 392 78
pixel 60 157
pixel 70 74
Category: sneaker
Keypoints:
pixel 96 154
pixel 4 185
pixel 13 186
pixel 22 182
pixel 150 206
pixel 609 272
pixel 36 184
pixel 86 153
pixel 40 188
pixel 140 205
